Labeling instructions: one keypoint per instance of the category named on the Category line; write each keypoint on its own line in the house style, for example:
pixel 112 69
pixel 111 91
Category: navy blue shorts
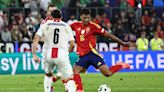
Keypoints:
pixel 90 59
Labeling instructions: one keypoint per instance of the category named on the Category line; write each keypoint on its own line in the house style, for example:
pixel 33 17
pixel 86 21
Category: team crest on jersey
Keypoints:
pixel 87 29
pixel 82 31
pixel 82 37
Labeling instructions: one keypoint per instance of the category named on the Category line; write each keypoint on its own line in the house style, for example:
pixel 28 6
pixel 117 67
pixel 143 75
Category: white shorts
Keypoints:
pixel 61 63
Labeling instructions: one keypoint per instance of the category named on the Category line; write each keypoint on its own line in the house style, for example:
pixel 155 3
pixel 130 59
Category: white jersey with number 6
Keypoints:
pixel 56 34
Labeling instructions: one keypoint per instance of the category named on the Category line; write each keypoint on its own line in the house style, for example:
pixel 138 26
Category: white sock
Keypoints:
pixel 47 83
pixel 70 86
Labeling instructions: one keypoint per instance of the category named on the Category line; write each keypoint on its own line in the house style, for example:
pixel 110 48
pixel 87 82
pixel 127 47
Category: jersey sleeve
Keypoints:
pixel 70 33
pixel 41 29
pixel 99 29
pixel 73 26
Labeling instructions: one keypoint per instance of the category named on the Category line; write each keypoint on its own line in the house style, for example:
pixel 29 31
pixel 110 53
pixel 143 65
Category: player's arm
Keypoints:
pixel 34 48
pixel 113 37
pixel 72 45
pixel 36 39
pixel 99 30
pixel 71 39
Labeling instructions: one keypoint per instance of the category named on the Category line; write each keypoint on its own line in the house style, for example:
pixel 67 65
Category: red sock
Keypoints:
pixel 115 68
pixel 78 82
pixel 54 79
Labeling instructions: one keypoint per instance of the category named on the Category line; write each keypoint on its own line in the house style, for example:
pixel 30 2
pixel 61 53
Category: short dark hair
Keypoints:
pixel 56 14
pixel 85 11
pixel 50 5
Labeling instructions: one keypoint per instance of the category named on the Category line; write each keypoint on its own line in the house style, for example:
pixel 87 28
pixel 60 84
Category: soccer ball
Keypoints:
pixel 104 88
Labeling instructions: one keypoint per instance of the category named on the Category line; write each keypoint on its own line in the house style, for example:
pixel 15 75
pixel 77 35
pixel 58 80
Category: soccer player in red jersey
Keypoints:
pixel 86 32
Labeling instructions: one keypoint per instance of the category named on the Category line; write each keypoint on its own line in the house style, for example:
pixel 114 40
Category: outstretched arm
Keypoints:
pixel 113 37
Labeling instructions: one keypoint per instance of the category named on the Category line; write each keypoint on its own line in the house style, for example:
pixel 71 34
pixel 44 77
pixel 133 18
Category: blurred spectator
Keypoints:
pixel 142 42
pixel 118 29
pixel 132 39
pixel 6 19
pixel 131 2
pixel 30 19
pixel 152 27
pixel 103 21
pixel 114 3
pixel 162 21
pixel 138 10
pixel 0 37
pixel 159 31
pixel 130 9
pixel 72 19
pixel 31 22
pixel 19 17
pixel 26 35
pixel 131 22
pixel 145 19
pixel 16 34
pixel 44 4
pixel 60 3
pixel 149 3
pixel 1 20
pixel 6 35
pixel 79 4
pixel 95 3
pixel 124 21
pixel 33 5
pixel 14 3
pixel 123 4
pixel 115 18
pixel 156 43
pixel 25 3
pixel 95 19
pixel 72 3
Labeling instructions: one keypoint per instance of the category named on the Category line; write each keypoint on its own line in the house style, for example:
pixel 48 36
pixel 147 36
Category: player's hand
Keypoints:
pixel 127 44
pixel 36 58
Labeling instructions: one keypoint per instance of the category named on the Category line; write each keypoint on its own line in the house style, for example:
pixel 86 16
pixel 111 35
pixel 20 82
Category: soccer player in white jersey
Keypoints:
pixel 59 41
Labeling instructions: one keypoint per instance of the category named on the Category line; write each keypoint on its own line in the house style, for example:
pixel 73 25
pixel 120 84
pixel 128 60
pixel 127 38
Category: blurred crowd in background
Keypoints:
pixel 127 19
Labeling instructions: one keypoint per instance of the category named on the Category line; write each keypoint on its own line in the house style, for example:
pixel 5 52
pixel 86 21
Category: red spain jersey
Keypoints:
pixel 86 36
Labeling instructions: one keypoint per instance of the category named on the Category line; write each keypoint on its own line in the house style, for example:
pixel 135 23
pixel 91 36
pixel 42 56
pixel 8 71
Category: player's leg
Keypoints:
pixel 80 66
pixel 76 70
pixel 57 76
pixel 65 68
pixel 98 62
pixel 113 69
pixel 48 77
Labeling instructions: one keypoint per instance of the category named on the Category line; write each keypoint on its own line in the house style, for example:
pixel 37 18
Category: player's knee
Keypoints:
pixel 75 71
pixel 49 74
pixel 70 86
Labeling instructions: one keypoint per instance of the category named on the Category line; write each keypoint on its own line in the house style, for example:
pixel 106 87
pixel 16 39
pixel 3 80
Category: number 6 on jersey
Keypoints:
pixel 56 36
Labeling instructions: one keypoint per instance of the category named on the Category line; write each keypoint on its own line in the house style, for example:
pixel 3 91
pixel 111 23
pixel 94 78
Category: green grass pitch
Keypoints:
pixel 120 82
